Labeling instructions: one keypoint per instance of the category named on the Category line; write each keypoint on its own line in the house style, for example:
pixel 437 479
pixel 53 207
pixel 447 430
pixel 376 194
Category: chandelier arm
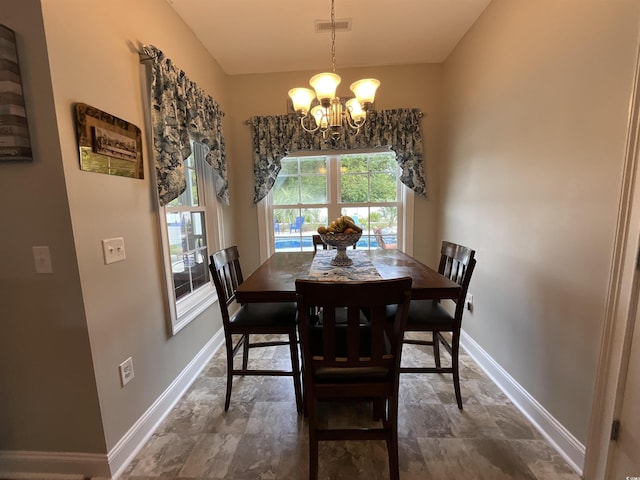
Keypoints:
pixel 353 124
pixel 312 130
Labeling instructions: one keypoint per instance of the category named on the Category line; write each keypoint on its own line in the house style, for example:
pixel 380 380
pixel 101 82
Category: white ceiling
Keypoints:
pixel 263 36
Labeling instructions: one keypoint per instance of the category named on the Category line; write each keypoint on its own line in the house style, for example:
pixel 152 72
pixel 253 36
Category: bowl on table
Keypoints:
pixel 340 241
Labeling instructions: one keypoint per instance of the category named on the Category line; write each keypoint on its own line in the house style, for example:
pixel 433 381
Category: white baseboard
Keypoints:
pixel 68 466
pixel 553 431
pixel 16 464
pixel 126 449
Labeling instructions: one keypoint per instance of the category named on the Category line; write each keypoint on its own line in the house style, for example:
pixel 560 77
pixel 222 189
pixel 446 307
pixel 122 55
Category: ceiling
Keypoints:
pixel 265 36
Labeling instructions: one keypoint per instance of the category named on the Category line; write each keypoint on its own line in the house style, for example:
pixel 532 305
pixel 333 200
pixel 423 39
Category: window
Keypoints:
pixel 310 191
pixel 187 226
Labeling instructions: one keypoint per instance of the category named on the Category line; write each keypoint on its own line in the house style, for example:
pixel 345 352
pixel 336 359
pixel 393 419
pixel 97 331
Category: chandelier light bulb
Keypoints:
pixel 325 85
pixel 301 98
pixel 365 90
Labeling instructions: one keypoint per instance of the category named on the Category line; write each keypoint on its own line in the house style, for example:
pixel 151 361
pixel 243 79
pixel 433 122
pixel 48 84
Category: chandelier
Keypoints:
pixel 331 114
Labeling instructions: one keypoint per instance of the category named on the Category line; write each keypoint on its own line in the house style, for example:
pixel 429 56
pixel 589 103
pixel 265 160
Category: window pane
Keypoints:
pixel 195 231
pixel 288 166
pixel 313 165
pixel 285 191
pixel 384 220
pixel 188 198
pixel 293 228
pixel 354 188
pixel 383 187
pixel 313 189
pixel 188 250
pixel 383 162
pixel 199 269
pixel 354 163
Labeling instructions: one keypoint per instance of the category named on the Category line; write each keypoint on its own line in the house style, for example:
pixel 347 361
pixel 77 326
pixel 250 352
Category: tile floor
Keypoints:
pixel 262 437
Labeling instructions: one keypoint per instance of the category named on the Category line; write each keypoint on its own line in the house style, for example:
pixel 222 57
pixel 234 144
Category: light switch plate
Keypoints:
pixel 113 249
pixel 42 259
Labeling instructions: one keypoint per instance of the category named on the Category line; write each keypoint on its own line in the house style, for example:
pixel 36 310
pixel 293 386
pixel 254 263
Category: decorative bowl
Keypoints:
pixel 341 241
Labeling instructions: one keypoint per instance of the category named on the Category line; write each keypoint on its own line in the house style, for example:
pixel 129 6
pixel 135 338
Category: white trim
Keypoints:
pixel 405 235
pixel 63 465
pixel 17 464
pixel 193 305
pixel 130 444
pixel 622 296
pixel 551 429
pixel 264 216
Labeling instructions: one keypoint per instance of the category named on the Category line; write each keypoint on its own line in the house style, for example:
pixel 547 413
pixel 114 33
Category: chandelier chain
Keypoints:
pixel 331 115
pixel 333 38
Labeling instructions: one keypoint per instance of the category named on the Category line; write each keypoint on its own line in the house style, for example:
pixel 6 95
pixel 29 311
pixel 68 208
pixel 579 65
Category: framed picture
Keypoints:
pixel 14 132
pixel 108 144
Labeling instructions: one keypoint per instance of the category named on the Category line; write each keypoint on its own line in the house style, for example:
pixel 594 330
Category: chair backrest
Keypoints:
pixel 457 263
pixel 227 275
pixel 369 357
pixel 317 240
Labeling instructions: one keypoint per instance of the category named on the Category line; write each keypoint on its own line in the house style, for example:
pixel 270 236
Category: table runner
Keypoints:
pixel 362 269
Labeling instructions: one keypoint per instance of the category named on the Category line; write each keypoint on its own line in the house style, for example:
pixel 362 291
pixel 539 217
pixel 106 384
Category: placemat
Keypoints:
pixel 362 269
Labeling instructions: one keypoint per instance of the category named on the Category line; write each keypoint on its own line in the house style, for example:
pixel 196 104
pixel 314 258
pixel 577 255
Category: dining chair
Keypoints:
pixel 456 263
pixel 278 318
pixel 342 362
pixel 317 241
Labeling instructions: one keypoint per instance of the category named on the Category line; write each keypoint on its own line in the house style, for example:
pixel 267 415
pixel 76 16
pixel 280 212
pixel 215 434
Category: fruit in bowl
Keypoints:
pixel 344 224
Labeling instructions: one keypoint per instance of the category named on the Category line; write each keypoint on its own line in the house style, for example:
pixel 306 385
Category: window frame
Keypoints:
pixel 405 204
pixel 184 310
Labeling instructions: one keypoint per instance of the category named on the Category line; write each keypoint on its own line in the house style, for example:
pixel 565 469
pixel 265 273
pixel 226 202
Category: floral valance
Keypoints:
pixel 180 109
pixel 274 137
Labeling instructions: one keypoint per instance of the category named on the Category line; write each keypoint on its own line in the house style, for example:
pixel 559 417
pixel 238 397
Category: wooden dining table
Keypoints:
pixel 274 280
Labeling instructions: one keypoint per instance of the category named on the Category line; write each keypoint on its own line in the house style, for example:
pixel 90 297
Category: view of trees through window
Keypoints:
pixel 312 191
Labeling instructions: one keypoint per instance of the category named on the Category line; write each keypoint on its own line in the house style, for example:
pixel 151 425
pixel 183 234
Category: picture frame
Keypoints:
pixel 108 144
pixel 15 144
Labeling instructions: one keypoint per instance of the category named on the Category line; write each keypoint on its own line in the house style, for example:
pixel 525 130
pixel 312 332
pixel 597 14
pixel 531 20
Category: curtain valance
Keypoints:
pixel 180 109
pixel 274 137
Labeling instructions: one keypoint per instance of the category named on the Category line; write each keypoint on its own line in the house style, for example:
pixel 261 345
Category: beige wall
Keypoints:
pixel 44 341
pixel 65 334
pixel 537 101
pixel 526 170
pixel 415 86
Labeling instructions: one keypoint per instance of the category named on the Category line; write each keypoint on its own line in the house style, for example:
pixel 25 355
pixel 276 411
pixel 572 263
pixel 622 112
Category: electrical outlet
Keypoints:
pixel 113 249
pixel 469 302
pixel 126 371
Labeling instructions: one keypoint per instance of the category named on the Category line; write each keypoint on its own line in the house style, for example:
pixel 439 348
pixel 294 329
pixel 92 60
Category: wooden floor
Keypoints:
pixel 262 437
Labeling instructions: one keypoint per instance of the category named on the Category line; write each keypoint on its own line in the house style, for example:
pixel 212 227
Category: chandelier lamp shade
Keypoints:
pixel 330 113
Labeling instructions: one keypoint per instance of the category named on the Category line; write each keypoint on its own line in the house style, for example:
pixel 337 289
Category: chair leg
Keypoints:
pixel 295 368
pixel 392 443
pixel 436 347
pixel 229 345
pixel 245 351
pixel 313 441
pixel 455 347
